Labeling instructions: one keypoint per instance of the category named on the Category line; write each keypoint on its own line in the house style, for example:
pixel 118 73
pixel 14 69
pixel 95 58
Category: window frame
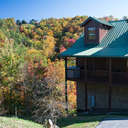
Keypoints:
pixel 91 32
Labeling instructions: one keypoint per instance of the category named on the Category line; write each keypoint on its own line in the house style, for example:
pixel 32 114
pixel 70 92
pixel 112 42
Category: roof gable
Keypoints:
pixel 96 20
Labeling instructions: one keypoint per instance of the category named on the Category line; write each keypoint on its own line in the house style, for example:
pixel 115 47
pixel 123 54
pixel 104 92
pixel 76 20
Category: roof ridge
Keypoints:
pixel 97 20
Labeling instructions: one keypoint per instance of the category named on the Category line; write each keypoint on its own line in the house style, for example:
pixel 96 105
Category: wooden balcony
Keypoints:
pixel 98 76
pixel 73 73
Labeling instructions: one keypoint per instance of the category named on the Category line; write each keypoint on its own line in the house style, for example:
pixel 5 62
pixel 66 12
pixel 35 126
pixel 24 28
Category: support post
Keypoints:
pixel 86 89
pixel 86 98
pixel 66 94
pixel 109 86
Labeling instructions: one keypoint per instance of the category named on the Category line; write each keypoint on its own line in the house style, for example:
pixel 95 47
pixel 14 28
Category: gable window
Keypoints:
pixel 91 35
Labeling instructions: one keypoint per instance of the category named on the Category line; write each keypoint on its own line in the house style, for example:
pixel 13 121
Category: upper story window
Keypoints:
pixel 91 35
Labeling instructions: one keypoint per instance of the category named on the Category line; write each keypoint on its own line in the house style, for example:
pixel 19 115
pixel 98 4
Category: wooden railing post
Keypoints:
pixel 66 94
pixel 109 86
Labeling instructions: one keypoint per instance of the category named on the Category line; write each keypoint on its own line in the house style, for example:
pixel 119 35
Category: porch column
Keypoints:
pixel 86 88
pixel 66 94
pixel 109 86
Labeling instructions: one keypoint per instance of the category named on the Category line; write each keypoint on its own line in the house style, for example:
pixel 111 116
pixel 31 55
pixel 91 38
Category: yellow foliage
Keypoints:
pixel 36 36
pixel 48 45
pixel 50 33
pixel 33 51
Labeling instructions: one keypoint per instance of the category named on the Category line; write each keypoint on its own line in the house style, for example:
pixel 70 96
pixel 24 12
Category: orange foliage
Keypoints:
pixel 62 49
pixel 72 94
pixel 56 70
pixel 35 69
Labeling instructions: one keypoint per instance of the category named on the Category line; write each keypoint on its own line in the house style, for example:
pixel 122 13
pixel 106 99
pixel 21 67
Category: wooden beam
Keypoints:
pixel 86 89
pixel 85 69
pixel 127 65
pixel 66 94
pixel 109 86
pixel 94 67
pixel 86 98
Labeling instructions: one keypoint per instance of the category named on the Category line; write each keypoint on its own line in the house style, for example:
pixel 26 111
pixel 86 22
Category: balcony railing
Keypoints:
pixel 99 76
pixel 73 73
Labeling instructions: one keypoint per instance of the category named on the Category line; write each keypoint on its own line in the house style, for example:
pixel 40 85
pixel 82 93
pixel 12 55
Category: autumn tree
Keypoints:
pixel 48 45
pixel 11 63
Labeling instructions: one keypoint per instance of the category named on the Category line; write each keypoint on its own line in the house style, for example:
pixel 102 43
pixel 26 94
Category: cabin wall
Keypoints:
pixel 98 96
pixel 102 32
pixel 118 64
pixel 119 98
pixel 97 64
pixel 100 92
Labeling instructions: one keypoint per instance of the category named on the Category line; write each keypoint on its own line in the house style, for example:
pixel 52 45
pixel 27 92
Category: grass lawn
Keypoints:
pixel 12 122
pixel 88 121
pixel 81 121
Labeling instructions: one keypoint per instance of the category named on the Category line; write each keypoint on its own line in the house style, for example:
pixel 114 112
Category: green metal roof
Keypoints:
pixel 97 20
pixel 114 44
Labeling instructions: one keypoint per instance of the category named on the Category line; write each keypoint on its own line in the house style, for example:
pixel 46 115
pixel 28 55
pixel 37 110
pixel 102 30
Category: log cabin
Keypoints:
pixel 101 70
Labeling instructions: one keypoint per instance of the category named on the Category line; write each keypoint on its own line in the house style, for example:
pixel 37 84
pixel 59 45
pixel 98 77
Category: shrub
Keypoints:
pixel 47 100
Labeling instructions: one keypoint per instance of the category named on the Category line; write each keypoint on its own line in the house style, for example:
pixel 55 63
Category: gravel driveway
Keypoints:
pixel 114 123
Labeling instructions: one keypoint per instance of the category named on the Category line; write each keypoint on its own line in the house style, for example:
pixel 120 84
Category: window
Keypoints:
pixel 91 33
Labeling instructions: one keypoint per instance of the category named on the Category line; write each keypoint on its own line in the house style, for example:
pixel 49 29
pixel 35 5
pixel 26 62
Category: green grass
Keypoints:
pixel 69 122
pixel 88 121
pixel 81 121
pixel 13 122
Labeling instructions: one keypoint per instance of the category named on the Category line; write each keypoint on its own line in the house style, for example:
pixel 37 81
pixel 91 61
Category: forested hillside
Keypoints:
pixel 30 67
pixel 48 37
